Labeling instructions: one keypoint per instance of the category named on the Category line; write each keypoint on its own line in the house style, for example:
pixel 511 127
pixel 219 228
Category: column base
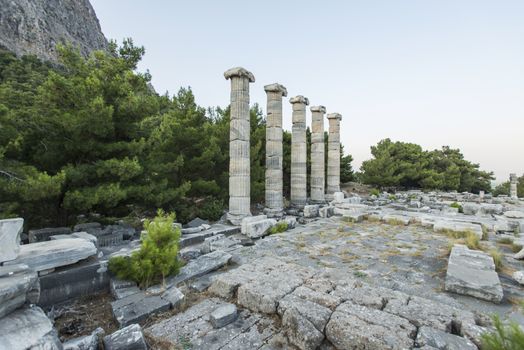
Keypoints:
pixel 274 213
pixel 236 219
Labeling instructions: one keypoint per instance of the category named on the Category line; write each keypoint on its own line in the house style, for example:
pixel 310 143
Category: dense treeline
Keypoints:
pixel 406 165
pixel 92 136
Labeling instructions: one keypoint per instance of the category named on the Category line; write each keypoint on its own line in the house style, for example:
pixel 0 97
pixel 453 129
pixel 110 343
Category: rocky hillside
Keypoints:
pixel 36 26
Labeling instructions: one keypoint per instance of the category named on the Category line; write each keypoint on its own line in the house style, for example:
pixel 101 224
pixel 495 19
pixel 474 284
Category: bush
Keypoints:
pixel 458 206
pixel 374 192
pixel 157 257
pixel 278 228
pixel 212 209
pixel 505 337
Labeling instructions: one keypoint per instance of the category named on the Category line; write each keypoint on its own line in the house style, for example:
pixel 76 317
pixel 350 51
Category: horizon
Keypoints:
pixel 383 66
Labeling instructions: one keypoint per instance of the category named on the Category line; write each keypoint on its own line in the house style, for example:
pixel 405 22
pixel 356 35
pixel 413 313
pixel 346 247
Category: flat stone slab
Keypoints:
pixel 28 328
pixel 438 339
pixel 458 227
pixel 10 230
pixel 18 288
pixel 193 326
pixel 128 338
pixel 137 307
pixel 472 273
pixel 84 235
pixel 51 254
pixel 175 297
pixel 202 265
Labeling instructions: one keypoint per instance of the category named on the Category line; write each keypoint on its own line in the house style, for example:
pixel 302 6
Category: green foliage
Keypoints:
pixel 406 165
pixel 278 228
pixel 374 192
pixel 505 337
pixel 91 136
pixel 458 206
pixel 157 257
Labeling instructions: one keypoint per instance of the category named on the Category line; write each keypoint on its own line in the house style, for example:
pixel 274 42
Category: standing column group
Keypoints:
pixel 333 158
pixel 317 154
pixel 298 152
pixel 239 133
pixel 513 181
pixel 274 153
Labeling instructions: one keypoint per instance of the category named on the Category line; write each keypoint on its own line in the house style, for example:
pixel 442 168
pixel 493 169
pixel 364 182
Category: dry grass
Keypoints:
pixel 505 240
pixel 516 247
pixel 497 258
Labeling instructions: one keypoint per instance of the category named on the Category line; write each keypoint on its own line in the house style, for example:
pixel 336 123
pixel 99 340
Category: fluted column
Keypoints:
pixel 333 166
pixel 239 134
pixel 298 152
pixel 317 154
pixel 274 150
pixel 513 181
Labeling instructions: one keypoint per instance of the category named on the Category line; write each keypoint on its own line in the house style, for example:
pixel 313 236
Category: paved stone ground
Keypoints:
pixel 308 286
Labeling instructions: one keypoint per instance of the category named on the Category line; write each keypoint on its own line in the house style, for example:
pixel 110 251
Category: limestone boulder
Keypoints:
pixel 10 230
pixel 88 342
pixel 250 219
pixel 223 315
pixel 472 273
pixel 128 338
pixel 260 228
pixel 201 266
pixel 519 277
pixel 19 285
pixel 28 328
pixel 51 254
pixel 311 211
pixel 470 208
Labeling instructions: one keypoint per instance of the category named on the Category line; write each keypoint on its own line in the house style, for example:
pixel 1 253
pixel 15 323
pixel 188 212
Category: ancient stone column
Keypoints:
pixel 513 181
pixel 333 166
pixel 239 168
pixel 274 151
pixel 317 154
pixel 298 152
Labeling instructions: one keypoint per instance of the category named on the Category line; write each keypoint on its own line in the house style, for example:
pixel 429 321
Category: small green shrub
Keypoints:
pixel 212 209
pixel 392 197
pixel 157 257
pixel 458 206
pixel 360 274
pixel 278 228
pixel 505 337
pixel 374 192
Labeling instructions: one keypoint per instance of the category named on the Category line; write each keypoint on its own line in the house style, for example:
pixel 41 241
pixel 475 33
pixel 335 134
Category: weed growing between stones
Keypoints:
pixel 505 337
pixel 278 228
pixel 395 222
pixel 505 240
pixel 360 274
pixel 516 247
pixel 497 258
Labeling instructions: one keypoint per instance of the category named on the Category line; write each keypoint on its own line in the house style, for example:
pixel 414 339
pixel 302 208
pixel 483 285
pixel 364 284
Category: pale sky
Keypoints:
pixel 432 72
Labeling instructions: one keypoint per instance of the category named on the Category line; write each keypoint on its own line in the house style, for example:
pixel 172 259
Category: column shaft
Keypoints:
pixel 298 152
pixel 317 154
pixel 239 135
pixel 333 167
pixel 274 150
pixel 513 181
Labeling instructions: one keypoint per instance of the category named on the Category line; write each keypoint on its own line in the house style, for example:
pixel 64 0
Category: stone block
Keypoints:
pixel 249 220
pixel 43 234
pixel 121 288
pixel 223 315
pixel 260 228
pixel 128 338
pixel 311 211
pixel 472 273
pixel 202 265
pixel 18 286
pixel 470 208
pixel 338 197
pixel 51 254
pixel 28 328
pixel 137 308
pixel 10 230
pixel 87 342
pixel 175 297
pixel 88 226
pixel 84 235
pixel 438 339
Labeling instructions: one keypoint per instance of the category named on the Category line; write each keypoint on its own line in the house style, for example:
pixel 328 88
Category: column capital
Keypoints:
pixel 239 72
pixel 276 87
pixel 299 99
pixel 513 177
pixel 320 109
pixel 337 116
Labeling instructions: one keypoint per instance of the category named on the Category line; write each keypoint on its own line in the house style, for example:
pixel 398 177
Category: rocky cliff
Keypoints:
pixel 36 26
